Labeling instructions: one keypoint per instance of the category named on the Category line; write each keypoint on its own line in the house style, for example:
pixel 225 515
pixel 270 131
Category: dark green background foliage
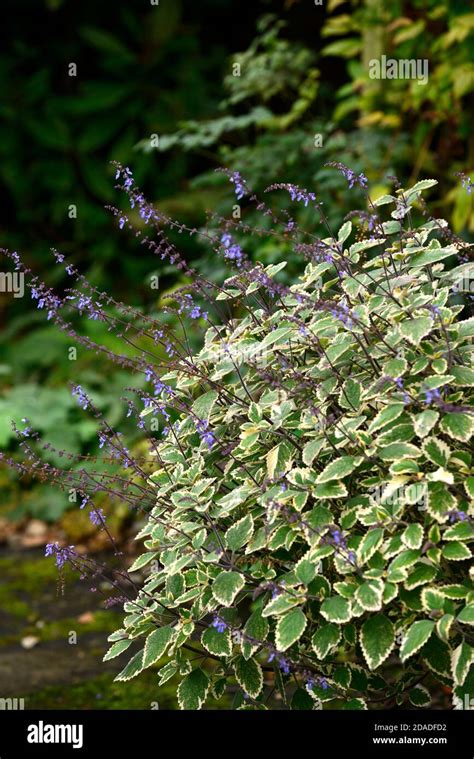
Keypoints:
pixel 168 70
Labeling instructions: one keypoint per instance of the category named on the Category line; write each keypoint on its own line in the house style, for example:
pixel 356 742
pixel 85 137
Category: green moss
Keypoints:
pixel 103 693
pixel 30 575
pixel 11 605
pixel 24 578
pixel 103 621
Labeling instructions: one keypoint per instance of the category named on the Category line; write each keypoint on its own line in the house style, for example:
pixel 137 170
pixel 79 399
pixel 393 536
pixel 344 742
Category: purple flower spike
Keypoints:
pixel 82 398
pixel 62 554
pixel 239 183
pixel 350 175
pixel 232 251
pixel 97 517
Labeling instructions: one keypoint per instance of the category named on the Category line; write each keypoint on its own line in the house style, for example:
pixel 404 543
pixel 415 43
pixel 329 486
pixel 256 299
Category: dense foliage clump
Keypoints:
pixel 309 508
pixel 314 496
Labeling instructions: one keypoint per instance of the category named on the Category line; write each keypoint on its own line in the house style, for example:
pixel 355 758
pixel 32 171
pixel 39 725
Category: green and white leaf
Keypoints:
pixel 377 639
pixel 419 696
pixel 414 330
pixel 424 422
pixel 192 690
pixel 437 451
pixel 369 545
pixel 156 644
pixel 289 629
pixel 240 533
pixel 413 535
pixel 458 425
pixel 461 660
pixel 249 675
pixel 336 609
pixel 132 669
pixel 226 586
pixel 117 648
pixel 338 469
pixel 415 638
pixel 325 638
pixel 217 643
pixel 369 595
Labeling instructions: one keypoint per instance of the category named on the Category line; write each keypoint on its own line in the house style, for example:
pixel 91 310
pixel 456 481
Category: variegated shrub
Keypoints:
pixel 310 542
pixel 309 506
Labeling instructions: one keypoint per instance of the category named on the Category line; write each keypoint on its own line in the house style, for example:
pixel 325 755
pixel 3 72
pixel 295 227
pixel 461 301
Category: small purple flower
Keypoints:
pixel 85 303
pixel 161 409
pixel 240 189
pixel 275 591
pixel 28 429
pixel 145 213
pixel 62 554
pixel 128 177
pixel 457 516
pixel 219 624
pixel 82 398
pixel 343 314
pixel 338 539
pixel 399 383
pixel 301 195
pixel 432 395
pixel 351 176
pixel 97 517
pixel 84 502
pixel 466 181
pixel 232 251
pixel 196 313
pixel 372 221
pixel 160 388
pixel 310 682
pixel 283 663
pixel 202 427
pixel 298 195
